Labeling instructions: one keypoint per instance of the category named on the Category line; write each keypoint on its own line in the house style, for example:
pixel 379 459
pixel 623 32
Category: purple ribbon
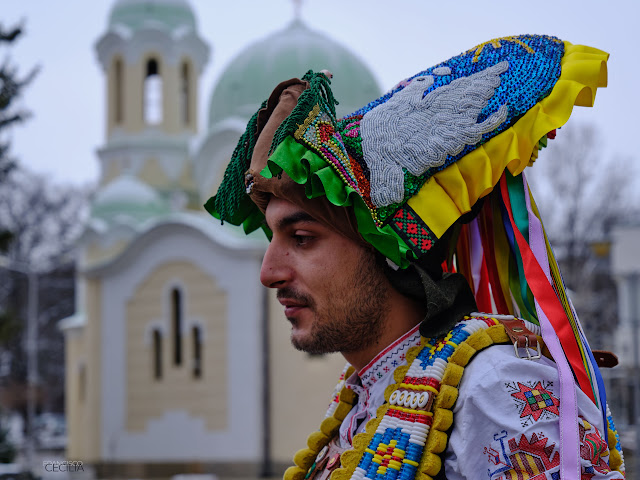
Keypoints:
pixel 569 440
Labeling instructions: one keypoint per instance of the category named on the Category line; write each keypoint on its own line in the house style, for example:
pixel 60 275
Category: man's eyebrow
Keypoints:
pixel 296 217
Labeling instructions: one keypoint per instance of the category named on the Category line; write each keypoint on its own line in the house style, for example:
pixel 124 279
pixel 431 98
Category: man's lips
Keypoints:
pixel 291 307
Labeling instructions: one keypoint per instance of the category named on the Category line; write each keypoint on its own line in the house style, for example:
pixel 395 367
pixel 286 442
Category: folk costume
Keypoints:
pixel 431 175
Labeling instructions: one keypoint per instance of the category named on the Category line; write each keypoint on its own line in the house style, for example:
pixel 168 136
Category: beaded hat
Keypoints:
pixel 442 138
pixel 452 139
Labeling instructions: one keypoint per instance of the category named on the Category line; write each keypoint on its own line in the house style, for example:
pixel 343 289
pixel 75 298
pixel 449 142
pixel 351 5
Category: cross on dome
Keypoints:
pixel 297 9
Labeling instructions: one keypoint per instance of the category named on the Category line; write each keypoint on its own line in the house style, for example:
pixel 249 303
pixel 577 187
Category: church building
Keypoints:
pixel 178 359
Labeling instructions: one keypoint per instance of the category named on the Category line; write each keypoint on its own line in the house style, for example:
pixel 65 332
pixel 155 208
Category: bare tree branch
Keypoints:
pixel 581 193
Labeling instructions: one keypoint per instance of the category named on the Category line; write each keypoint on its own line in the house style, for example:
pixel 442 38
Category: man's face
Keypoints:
pixel 334 293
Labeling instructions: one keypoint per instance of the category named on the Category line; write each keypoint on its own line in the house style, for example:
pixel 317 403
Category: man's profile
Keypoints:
pixel 334 293
pixel 405 237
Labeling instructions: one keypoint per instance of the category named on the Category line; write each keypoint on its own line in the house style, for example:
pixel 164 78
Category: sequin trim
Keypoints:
pixel 534 68
pixel 318 133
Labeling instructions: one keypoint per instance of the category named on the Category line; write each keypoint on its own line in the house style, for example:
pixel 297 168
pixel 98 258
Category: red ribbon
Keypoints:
pixel 548 301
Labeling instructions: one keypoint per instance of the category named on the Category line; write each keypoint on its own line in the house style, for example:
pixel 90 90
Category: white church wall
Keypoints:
pixel 173 299
pixel 159 442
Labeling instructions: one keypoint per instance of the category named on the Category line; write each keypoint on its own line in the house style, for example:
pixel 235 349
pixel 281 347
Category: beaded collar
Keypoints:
pixel 419 402
pixel 399 444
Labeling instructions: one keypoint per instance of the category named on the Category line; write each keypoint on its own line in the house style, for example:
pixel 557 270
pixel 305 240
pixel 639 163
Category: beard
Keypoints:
pixel 351 317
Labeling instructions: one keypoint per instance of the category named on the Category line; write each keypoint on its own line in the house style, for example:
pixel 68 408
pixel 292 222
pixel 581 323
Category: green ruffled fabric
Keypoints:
pixel 319 178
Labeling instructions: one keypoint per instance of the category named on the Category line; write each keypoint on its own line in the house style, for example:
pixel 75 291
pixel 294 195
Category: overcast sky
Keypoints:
pixel 396 39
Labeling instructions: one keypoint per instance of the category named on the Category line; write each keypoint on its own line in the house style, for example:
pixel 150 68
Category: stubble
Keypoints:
pixel 352 318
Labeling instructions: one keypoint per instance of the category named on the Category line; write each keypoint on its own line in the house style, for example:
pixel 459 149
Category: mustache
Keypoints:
pixel 293 294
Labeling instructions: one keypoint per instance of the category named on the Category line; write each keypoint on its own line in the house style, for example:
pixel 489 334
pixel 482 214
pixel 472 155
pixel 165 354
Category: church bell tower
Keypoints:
pixel 152 57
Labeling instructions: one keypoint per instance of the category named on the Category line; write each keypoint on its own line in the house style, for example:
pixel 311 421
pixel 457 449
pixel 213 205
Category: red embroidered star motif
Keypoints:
pixel 592 448
pixel 536 401
pixel 532 456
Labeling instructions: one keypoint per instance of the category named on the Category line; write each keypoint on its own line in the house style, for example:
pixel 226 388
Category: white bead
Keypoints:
pixel 420 428
pixel 408 399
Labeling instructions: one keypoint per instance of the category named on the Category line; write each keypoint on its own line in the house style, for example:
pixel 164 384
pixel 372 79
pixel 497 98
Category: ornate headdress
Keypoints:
pixel 450 140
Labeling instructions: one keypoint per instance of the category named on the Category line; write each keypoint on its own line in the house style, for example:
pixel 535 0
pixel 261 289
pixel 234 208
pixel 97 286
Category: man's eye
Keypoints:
pixel 302 239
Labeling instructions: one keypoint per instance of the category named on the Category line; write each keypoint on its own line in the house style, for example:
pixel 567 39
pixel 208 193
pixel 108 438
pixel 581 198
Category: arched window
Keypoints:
pixel 118 92
pixel 157 354
pixel 185 93
pixel 197 352
pixel 176 316
pixel 152 96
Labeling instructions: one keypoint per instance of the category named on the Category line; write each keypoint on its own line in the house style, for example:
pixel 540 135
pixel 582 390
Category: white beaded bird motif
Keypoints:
pixel 418 132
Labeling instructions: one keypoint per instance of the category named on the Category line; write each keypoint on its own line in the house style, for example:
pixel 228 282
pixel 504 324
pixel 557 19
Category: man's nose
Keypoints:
pixel 275 271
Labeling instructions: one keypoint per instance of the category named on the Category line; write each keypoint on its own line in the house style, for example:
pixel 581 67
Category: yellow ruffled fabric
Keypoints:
pixel 458 187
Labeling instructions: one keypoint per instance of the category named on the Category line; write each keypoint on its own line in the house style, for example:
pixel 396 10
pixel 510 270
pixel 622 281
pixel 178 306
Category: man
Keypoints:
pixel 390 227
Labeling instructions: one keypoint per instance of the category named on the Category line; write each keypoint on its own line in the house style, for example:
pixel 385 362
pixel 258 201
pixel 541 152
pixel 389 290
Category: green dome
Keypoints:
pixel 135 14
pixel 127 199
pixel 289 53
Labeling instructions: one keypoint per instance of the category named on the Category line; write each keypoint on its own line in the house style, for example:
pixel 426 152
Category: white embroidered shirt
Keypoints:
pixel 505 419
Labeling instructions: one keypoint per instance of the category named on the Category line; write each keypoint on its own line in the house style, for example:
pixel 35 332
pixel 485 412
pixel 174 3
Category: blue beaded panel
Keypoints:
pixel 440 348
pixel 534 68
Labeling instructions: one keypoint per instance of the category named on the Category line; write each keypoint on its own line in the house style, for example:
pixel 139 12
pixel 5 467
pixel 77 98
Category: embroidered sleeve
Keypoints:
pixel 506 423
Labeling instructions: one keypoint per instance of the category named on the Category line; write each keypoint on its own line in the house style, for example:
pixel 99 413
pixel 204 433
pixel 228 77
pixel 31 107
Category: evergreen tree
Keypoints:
pixel 7 449
pixel 12 85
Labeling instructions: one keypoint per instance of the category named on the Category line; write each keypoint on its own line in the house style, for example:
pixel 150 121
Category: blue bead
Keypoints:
pixel 392 473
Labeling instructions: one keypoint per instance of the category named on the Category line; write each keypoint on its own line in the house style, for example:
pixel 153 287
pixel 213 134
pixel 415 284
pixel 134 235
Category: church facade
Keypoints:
pixel 177 359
